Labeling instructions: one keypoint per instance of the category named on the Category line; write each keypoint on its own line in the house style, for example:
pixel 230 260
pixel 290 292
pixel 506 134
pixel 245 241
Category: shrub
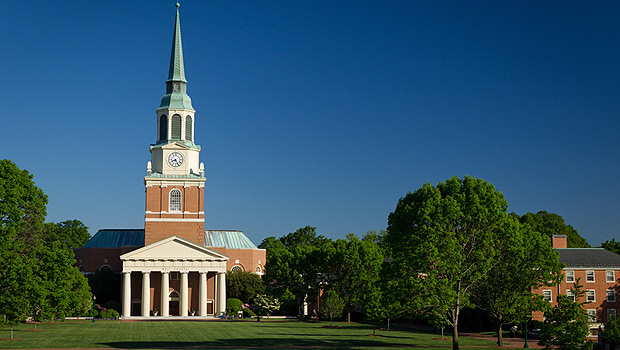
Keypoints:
pixel 113 304
pixel 233 305
pixel 109 314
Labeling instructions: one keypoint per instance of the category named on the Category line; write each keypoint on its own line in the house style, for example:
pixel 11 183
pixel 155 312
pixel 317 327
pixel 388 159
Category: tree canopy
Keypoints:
pixel 550 224
pixel 442 239
pixel 612 246
pixel 244 285
pixel 37 276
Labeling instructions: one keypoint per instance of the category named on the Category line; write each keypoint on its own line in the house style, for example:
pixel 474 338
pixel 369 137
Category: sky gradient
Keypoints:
pixel 319 113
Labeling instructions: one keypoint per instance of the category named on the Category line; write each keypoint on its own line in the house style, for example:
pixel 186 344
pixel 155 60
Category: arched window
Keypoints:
pixel 188 128
pixel 258 269
pixel 236 268
pixel 105 268
pixel 163 128
pixel 175 200
pixel 176 127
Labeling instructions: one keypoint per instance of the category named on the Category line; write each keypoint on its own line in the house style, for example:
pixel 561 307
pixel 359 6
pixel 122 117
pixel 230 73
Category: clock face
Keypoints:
pixel 175 159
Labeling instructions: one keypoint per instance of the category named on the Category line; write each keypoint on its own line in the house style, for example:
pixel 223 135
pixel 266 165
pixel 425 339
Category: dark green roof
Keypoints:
pixel 116 238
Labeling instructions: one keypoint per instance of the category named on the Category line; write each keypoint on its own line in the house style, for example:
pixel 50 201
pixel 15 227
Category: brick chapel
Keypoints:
pixel 172 267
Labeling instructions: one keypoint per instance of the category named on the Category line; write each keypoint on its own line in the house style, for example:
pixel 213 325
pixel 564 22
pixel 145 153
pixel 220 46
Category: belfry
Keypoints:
pixel 174 267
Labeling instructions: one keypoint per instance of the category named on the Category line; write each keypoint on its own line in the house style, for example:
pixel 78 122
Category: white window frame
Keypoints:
pixel 175 201
pixel 611 313
pixel 570 276
pixel 570 295
pixel 610 276
pixel 611 296
pixel 591 293
pixel 590 273
pixel 591 315
pixel 547 295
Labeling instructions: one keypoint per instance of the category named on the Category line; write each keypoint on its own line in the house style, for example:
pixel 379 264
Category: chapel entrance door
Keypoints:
pixel 174 304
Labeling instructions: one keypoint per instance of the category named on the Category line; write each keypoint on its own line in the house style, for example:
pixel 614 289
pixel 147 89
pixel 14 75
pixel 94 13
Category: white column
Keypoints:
pixel 165 287
pixel 183 304
pixel 146 293
pixel 202 309
pixel 126 294
pixel 221 295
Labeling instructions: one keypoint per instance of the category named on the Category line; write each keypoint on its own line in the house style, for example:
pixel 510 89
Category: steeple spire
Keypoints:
pixel 176 86
pixel 177 72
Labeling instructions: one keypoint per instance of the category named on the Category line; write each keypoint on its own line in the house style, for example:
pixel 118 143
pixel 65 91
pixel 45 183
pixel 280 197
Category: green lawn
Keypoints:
pixel 217 334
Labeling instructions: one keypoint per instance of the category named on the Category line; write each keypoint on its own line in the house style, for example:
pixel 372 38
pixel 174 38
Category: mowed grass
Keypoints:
pixel 218 334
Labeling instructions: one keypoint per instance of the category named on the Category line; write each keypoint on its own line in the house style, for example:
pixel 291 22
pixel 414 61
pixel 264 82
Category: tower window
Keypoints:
pixel 176 127
pixel 163 128
pixel 188 128
pixel 175 200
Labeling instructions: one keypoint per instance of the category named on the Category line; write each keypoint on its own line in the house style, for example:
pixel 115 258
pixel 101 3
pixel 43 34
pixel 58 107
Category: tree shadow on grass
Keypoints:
pixel 274 342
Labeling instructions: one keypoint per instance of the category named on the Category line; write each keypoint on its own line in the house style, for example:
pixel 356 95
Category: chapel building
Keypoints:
pixel 172 267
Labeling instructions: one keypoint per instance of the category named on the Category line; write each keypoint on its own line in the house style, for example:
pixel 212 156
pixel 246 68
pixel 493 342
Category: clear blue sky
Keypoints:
pixel 320 113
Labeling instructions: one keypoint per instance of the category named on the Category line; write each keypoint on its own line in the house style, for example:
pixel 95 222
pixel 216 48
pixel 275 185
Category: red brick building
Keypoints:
pixel 597 270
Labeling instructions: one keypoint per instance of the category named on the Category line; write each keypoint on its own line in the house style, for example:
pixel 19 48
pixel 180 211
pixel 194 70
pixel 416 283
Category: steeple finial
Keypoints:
pixel 177 72
pixel 176 86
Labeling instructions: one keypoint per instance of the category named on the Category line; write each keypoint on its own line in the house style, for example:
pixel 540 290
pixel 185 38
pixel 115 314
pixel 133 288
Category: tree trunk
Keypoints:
pixel 11 332
pixel 455 338
pixel 348 316
pixel 388 322
pixel 500 336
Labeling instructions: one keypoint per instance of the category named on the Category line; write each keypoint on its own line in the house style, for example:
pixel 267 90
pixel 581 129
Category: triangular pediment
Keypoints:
pixel 174 248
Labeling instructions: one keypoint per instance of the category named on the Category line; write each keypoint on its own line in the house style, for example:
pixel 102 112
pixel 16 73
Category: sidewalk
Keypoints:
pixel 508 342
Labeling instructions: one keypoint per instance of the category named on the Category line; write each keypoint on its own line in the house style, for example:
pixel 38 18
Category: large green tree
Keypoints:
pixel 38 276
pixel 244 285
pixel 71 233
pixel 297 264
pixel 612 246
pixel 525 261
pixel 442 240
pixel 550 224
pixel 359 265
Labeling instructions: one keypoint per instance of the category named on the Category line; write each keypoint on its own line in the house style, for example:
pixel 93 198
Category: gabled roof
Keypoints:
pixel 588 257
pixel 228 239
pixel 174 247
pixel 111 238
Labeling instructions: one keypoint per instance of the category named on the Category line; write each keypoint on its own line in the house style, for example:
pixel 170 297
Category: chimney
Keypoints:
pixel 559 241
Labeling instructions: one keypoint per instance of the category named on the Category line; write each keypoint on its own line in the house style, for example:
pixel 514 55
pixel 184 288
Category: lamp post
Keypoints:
pixel 94 298
pixel 526 345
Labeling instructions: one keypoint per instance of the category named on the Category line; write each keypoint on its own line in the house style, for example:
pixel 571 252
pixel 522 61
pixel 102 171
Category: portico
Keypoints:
pixel 176 272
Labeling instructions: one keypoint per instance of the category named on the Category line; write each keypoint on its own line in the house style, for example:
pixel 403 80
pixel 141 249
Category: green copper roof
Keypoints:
pixel 228 239
pixel 176 86
pixel 177 72
pixel 116 238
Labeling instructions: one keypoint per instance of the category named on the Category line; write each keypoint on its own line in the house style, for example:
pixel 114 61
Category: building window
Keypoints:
pixel 105 268
pixel 611 296
pixel 175 275
pixel 188 128
pixel 611 314
pixel 570 295
pixel 236 268
pixel 81 268
pixel 590 296
pixel 590 276
pixel 176 127
pixel 547 295
pixel 258 269
pixel 163 128
pixel 609 276
pixel 175 200
pixel 570 276
pixel 591 315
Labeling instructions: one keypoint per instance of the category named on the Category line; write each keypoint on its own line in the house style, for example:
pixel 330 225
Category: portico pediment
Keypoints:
pixel 174 249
